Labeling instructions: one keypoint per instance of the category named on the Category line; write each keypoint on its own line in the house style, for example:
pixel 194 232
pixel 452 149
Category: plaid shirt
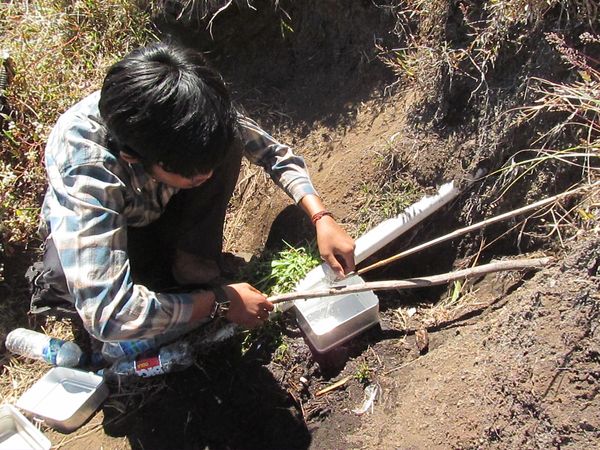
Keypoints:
pixel 93 196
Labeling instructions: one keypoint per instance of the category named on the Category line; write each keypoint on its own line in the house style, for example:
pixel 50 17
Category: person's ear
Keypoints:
pixel 129 157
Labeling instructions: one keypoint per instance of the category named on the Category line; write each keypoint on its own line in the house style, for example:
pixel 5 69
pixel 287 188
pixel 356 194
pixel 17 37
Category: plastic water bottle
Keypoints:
pixel 38 346
pixel 170 358
pixel 114 351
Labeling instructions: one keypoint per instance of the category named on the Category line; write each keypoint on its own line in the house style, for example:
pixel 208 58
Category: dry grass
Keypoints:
pixel 468 46
pixel 460 299
pixel 21 373
pixel 252 180
pixel 60 51
pixel 572 109
pixel 432 58
pixel 199 14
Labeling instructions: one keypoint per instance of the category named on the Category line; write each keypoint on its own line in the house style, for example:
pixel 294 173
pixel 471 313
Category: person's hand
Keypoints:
pixel 248 306
pixel 335 246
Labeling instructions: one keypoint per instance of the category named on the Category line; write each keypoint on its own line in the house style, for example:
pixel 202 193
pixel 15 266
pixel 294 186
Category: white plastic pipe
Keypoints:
pixel 388 230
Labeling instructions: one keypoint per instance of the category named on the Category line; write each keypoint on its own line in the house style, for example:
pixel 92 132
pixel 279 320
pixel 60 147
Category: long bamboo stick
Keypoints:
pixel 412 283
pixel 473 227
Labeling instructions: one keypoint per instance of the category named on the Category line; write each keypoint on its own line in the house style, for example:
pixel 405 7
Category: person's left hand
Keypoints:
pixel 335 246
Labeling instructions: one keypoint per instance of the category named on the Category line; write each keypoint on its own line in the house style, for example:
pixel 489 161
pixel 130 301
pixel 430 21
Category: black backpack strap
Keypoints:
pixel 48 286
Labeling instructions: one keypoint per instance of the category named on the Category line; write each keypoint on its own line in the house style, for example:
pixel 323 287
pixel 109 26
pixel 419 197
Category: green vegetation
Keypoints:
pixel 274 274
pixel 269 336
pixel 363 373
pixel 278 273
pixel 281 353
pixel 385 198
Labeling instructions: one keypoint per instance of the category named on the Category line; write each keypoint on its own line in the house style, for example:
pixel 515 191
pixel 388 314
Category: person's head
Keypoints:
pixel 164 107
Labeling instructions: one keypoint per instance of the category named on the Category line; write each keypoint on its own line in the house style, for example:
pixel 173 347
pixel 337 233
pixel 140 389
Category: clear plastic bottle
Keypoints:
pixel 170 358
pixel 36 345
pixel 114 351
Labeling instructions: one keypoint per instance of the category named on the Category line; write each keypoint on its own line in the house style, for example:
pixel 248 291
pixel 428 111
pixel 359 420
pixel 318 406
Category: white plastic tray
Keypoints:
pixel 16 432
pixel 330 321
pixel 64 398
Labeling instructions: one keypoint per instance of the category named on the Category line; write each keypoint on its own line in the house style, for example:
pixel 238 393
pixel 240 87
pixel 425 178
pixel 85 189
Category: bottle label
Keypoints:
pixel 133 348
pixel 148 367
pixel 51 350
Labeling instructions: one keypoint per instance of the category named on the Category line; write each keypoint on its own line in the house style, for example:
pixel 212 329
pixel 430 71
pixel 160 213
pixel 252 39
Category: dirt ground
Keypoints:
pixel 516 365
pixel 518 368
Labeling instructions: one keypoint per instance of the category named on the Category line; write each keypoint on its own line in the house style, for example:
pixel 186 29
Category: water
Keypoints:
pixel 324 325
pixel 333 312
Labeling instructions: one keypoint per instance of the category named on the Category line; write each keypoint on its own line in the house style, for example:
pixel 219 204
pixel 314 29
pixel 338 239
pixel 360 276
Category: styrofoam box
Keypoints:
pixel 64 398
pixel 330 321
pixel 16 432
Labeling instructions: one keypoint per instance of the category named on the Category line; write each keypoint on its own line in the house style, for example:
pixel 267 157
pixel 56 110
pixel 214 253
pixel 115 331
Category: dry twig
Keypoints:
pixel 333 386
pixel 413 283
pixel 476 226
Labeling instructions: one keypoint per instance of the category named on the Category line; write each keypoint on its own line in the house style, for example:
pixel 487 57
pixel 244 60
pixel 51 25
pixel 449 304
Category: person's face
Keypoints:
pixel 170 178
pixel 178 181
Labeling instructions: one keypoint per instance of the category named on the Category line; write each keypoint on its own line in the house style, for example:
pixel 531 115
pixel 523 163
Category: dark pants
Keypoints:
pixel 193 222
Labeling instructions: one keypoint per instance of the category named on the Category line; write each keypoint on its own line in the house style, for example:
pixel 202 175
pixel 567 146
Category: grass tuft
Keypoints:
pixel 389 195
pixel 278 273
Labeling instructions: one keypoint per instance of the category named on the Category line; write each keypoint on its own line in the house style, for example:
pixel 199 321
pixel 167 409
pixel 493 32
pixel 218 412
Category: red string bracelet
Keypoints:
pixel 320 215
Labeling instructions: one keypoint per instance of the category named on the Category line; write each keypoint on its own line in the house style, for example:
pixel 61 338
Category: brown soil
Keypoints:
pixel 517 365
pixel 519 373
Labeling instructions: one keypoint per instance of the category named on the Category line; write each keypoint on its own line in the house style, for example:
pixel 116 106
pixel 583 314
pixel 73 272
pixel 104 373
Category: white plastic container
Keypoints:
pixel 16 432
pixel 331 321
pixel 64 398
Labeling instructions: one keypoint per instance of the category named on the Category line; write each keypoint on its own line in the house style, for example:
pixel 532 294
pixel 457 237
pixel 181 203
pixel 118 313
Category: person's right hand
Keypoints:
pixel 248 306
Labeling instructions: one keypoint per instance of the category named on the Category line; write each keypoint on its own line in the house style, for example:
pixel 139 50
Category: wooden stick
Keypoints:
pixel 333 386
pixel 473 227
pixel 412 283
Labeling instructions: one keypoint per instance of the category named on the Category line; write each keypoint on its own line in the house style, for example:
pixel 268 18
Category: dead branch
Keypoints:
pixel 333 386
pixel 412 283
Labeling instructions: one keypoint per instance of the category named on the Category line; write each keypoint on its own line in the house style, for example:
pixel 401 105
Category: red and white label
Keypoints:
pixel 148 367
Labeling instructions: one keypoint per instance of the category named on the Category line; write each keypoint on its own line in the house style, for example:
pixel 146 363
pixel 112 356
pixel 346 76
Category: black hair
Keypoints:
pixel 164 105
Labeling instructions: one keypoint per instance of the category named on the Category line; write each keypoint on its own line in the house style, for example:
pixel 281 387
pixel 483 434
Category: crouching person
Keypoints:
pixel 139 178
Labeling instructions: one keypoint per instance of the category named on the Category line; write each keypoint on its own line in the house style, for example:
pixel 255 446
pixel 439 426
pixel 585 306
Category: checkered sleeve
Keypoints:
pixel 287 169
pixel 89 230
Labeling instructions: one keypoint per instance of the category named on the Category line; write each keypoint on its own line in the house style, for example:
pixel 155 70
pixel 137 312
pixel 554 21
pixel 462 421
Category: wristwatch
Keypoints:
pixel 221 306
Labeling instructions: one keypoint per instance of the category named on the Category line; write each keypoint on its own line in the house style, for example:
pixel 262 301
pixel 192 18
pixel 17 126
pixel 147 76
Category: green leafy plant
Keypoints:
pixel 281 352
pixel 278 273
pixel 363 373
pixel 272 274
pixel 270 335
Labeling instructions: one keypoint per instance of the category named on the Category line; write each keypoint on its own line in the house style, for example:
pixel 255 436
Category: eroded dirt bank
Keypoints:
pixel 523 373
pixel 517 363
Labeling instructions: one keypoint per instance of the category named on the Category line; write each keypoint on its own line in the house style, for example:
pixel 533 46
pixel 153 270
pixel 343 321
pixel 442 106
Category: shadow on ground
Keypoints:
pixel 227 401
pixel 310 63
